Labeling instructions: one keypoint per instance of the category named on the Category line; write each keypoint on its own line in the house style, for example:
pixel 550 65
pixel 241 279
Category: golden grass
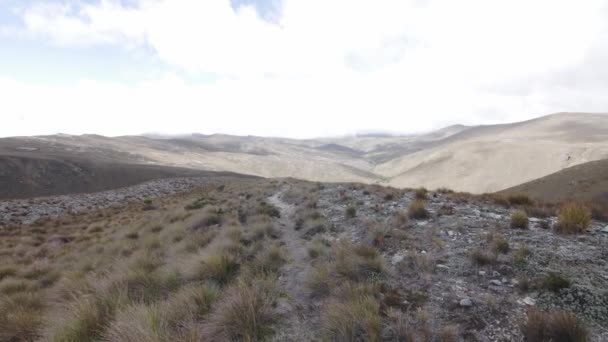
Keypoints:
pixel 573 218
pixel 519 220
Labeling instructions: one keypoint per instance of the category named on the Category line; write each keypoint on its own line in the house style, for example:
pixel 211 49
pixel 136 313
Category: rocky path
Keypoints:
pixel 300 317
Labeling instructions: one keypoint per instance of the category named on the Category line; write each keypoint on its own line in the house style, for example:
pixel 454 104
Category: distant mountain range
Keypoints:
pixel 465 158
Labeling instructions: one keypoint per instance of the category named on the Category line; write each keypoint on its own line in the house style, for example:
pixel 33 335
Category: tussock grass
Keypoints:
pixel 558 326
pixel 421 194
pixel 220 268
pixel 519 220
pixel 417 210
pixel 20 316
pixel 358 262
pixel 245 312
pixel 573 219
pixel 482 257
pixel 352 320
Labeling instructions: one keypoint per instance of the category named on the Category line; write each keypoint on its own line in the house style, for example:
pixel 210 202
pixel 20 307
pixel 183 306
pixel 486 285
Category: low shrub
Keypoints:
pixel 555 282
pixel 268 209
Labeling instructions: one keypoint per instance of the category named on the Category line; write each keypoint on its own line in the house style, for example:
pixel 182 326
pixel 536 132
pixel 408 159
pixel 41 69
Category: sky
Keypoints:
pixel 295 68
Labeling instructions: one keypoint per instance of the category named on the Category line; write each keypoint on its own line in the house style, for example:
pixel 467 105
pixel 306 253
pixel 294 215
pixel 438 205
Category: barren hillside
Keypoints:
pixel 475 159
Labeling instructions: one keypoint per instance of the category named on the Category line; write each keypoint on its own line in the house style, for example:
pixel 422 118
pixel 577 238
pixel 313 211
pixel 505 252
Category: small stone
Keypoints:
pixel 495 274
pixel 496 282
pixel 482 273
pixel 527 301
pixel 397 258
pixel 504 280
pixel 451 233
pixel 443 267
pixel 466 302
pixel 604 230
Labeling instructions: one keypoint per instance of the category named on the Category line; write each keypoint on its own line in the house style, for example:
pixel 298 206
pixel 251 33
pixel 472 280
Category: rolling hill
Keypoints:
pixel 476 159
pixel 584 182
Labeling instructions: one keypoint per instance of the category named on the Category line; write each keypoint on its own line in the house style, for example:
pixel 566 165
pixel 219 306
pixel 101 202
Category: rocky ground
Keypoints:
pixel 432 271
pixel 27 211
pixel 461 273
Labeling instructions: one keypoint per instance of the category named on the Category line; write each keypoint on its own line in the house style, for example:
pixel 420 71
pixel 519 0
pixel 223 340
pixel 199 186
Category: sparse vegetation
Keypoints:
pixel 555 282
pixel 481 257
pixel 351 211
pixel 421 194
pixel 417 210
pixel 519 220
pixel 556 326
pixel 573 219
pixel 234 270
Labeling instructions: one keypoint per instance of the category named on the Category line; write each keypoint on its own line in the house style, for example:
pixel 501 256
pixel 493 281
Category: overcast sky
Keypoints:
pixel 295 68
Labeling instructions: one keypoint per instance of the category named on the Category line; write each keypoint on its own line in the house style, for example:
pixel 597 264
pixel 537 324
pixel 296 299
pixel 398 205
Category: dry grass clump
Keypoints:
pixel 358 262
pixel 245 312
pixel 318 247
pixel 401 219
pixel 85 318
pixel 10 286
pixel 219 267
pixel 20 316
pixel 519 220
pixel 417 210
pixel 554 326
pixel 421 194
pixel 499 243
pixel 7 271
pixel 573 219
pixel 520 199
pixel 320 280
pixel 482 257
pixel 269 261
pixel 356 319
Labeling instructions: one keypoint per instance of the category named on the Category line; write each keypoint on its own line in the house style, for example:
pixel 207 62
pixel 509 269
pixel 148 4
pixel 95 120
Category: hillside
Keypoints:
pixel 585 182
pixel 475 159
pixel 491 158
pixel 27 176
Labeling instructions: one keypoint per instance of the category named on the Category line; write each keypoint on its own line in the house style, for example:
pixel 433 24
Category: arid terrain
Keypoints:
pixel 149 238
pixel 245 259
pixel 476 159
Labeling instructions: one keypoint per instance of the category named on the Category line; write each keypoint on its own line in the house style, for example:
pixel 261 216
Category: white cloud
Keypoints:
pixel 325 67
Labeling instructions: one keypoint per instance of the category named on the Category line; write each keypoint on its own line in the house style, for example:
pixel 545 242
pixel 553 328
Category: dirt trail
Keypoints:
pixel 300 317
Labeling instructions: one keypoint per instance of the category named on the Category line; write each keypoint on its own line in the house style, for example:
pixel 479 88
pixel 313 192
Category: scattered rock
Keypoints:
pixel 466 302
